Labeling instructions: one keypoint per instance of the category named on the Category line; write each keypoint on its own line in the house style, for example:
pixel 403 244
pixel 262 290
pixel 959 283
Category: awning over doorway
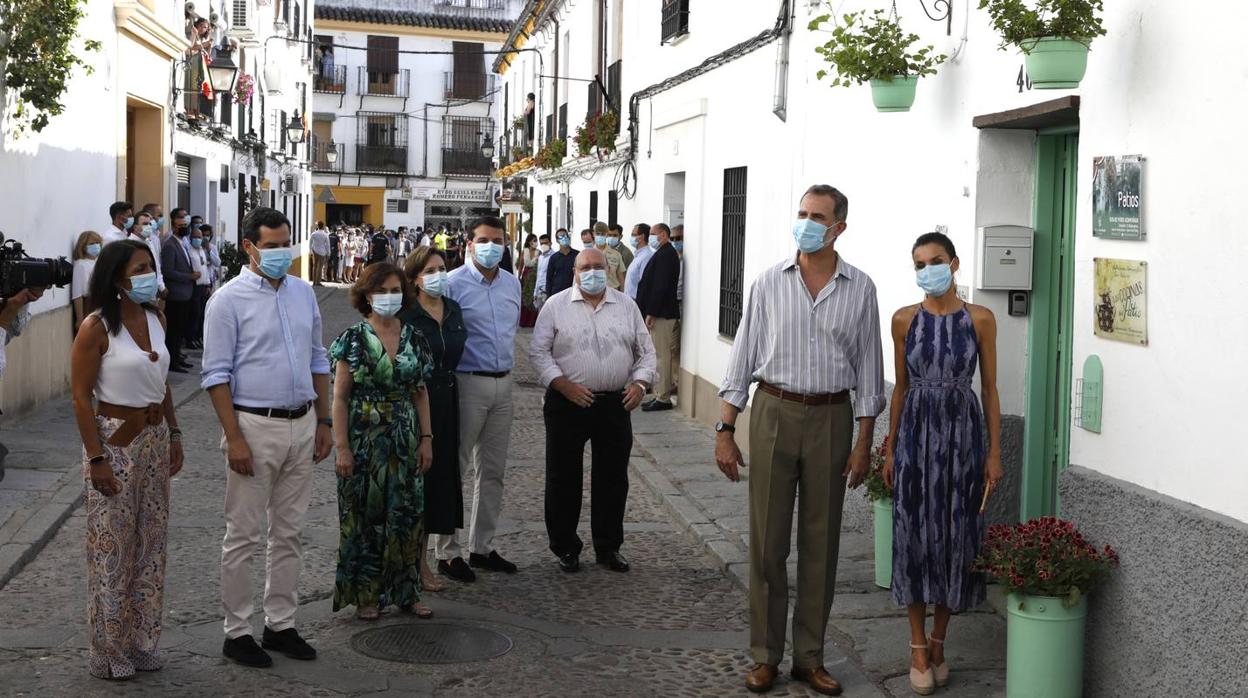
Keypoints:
pixel 1054 113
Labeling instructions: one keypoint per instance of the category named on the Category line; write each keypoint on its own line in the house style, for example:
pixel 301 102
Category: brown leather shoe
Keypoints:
pixel 761 678
pixel 819 679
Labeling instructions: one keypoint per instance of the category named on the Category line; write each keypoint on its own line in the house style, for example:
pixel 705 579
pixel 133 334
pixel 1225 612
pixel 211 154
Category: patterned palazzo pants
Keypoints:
pixel 126 536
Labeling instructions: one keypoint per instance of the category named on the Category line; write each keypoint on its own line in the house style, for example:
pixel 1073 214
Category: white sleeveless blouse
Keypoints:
pixel 128 377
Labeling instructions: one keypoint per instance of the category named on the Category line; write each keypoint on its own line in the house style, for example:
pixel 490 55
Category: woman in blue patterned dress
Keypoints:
pixel 939 465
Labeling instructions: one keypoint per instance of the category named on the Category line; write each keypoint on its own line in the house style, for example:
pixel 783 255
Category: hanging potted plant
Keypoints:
pixel 1047 569
pixel 585 138
pixel 551 156
pixel 873 49
pixel 882 513
pixel 1054 37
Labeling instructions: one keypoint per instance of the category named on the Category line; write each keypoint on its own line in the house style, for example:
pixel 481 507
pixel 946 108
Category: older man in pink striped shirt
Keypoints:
pixel 592 351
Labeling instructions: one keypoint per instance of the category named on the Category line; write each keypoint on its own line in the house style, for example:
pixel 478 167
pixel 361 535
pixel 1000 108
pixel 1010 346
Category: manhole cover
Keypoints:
pixel 431 643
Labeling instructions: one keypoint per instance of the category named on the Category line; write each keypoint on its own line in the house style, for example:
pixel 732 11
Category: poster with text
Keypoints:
pixel 1122 300
pixel 1116 197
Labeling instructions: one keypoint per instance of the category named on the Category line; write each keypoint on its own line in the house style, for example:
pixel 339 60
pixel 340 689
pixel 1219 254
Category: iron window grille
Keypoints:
pixel 469 86
pixel 732 259
pixel 461 145
pixel 675 19
pixel 381 142
pixel 320 157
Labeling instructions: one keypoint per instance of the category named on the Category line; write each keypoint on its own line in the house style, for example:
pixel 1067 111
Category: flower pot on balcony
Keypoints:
pixel 896 94
pixel 883 515
pixel 1055 62
pixel 1044 647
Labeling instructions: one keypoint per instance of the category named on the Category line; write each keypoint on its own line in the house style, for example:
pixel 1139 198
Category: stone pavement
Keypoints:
pixel 675 625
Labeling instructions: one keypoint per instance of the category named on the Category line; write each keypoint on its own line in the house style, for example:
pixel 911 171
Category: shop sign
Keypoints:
pixel 1121 307
pixel 1117 199
pixel 430 194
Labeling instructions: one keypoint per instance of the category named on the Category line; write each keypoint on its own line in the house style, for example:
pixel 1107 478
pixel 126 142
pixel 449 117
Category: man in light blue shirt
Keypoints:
pixel 266 370
pixel 641 240
pixel 490 299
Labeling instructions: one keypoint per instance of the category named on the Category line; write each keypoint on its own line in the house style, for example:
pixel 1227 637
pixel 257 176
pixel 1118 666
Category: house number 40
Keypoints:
pixel 1024 80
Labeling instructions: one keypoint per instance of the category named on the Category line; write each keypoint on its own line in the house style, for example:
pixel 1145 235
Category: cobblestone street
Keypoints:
pixel 675 625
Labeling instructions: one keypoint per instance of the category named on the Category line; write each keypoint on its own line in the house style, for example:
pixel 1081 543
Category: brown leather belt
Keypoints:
pixel 811 400
pixel 134 421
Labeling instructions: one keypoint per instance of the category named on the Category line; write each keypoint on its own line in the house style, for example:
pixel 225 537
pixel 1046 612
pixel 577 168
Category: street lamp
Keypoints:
pixel 222 72
pixel 331 155
pixel 487 147
pixel 294 130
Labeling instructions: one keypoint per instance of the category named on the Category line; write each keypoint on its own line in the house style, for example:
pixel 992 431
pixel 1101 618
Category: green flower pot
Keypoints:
pixel 894 95
pixel 1044 647
pixel 883 542
pixel 1055 63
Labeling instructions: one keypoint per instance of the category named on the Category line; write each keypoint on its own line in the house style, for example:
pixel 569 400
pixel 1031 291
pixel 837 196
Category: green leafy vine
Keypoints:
pixel 38 56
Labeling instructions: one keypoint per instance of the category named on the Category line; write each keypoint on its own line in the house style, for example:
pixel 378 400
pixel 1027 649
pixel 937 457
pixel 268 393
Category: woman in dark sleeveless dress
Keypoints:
pixel 441 321
pixel 939 463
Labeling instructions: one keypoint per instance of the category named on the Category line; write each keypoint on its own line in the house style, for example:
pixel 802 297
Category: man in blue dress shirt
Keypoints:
pixel 490 298
pixel 267 372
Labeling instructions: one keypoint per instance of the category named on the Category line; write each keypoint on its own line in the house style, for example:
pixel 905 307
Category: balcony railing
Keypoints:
pixel 465 162
pixel 675 19
pixel 330 78
pixel 385 84
pixel 381 158
pixel 320 156
pixel 471 9
pixel 471 86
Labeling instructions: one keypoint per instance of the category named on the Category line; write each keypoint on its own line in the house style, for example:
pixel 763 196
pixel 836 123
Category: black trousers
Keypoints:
pixel 607 426
pixel 177 321
pixel 199 299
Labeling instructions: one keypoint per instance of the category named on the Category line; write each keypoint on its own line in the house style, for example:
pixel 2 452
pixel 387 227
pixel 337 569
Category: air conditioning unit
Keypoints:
pixel 288 185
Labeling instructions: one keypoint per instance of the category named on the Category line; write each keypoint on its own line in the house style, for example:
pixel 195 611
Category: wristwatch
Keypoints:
pixel 325 422
pixel 721 427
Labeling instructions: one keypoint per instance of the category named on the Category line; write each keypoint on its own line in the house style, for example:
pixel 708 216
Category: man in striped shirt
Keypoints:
pixel 810 333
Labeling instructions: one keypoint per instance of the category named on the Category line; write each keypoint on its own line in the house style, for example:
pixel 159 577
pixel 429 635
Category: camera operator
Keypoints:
pixel 14 315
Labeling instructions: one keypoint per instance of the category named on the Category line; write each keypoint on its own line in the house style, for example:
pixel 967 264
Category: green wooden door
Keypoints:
pixel 1046 437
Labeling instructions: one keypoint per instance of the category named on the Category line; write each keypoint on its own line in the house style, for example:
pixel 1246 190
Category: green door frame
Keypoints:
pixel 1046 432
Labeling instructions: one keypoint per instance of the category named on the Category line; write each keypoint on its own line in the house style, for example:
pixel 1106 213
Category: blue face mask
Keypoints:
pixel 487 254
pixel 387 304
pixel 564 240
pixel 600 240
pixel 128 224
pixel 435 283
pixel 613 241
pixel 809 235
pixel 593 281
pixel 275 262
pixel 142 288
pixel 935 279
pixel 197 242
pixel 93 250
pixel 679 245
pixel 654 242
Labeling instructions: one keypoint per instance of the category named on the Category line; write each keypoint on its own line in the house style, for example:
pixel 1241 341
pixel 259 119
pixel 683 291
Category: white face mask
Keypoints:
pixel 544 249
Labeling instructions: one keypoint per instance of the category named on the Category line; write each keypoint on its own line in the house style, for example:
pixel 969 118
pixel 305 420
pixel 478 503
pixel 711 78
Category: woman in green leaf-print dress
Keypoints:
pixel 380 405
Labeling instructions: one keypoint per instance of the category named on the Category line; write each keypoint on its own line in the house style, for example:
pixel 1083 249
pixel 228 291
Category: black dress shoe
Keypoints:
pixel 613 561
pixel 456 568
pixel 657 406
pixel 570 562
pixel 493 562
pixel 245 651
pixel 288 643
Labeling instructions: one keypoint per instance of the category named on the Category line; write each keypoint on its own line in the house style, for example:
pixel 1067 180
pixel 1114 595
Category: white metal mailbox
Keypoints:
pixel 1003 258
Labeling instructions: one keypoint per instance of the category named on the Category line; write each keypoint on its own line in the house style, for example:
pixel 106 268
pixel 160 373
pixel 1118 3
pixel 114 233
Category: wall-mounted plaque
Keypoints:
pixel 1121 304
pixel 1117 198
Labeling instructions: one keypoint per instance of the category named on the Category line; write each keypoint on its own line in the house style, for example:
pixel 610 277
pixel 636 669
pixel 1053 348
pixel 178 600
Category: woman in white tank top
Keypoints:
pixel 131 447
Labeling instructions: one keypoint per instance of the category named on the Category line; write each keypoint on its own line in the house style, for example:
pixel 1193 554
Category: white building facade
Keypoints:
pixel 724 125
pixel 403 104
pixel 233 154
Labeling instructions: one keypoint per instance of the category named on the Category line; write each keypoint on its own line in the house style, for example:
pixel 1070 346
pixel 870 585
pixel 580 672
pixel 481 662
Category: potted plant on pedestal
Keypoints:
pixel 873 48
pixel 882 514
pixel 1054 37
pixel 1047 569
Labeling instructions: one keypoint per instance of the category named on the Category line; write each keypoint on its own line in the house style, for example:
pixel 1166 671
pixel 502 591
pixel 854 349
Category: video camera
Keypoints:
pixel 19 270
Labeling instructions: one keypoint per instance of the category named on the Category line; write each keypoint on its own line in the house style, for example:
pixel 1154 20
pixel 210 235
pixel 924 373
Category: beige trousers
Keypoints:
pixel 801 451
pixel 664 336
pixel 485 413
pixel 318 267
pixel 281 456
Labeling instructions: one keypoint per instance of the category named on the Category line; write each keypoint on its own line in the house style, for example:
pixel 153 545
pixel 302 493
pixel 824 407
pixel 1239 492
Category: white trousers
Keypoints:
pixel 281 457
pixel 485 414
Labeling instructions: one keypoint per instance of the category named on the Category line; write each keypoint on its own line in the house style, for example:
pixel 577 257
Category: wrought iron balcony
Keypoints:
pixel 675 19
pixel 384 84
pixel 321 156
pixel 457 161
pixel 331 79
pixel 381 158
pixel 469 86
